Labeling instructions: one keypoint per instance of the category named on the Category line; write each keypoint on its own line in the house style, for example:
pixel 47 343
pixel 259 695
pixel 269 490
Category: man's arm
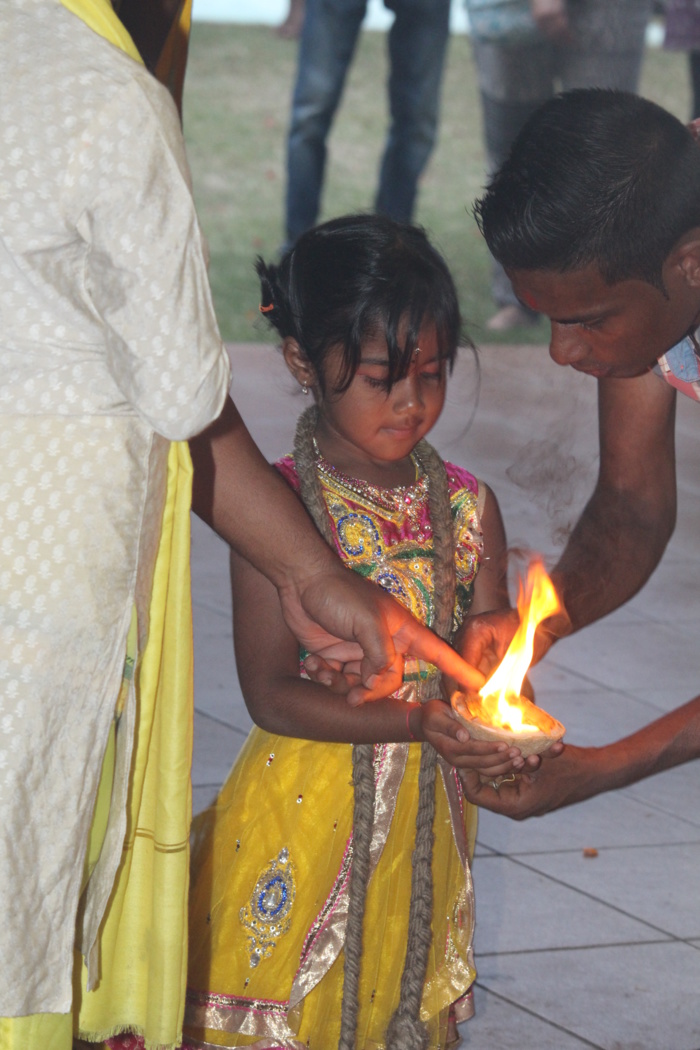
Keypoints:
pixel 622 533
pixel 325 606
pixel 580 773
pixel 625 526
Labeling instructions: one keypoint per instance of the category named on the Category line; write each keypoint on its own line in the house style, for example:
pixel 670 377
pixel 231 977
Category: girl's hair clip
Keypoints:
pixel 266 309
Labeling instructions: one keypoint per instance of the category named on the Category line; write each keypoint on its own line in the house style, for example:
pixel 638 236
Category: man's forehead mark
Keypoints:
pixel 529 300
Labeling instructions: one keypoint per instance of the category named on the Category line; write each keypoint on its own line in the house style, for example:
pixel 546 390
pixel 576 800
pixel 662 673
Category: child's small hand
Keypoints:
pixel 440 726
pixel 339 678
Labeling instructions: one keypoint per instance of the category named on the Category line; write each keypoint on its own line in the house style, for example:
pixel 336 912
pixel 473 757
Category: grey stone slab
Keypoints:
pixel 677 792
pixel 498 1024
pixel 632 655
pixel 267 397
pixel 548 679
pixel 630 997
pixel 659 701
pixel 216 688
pixel 202 796
pixel 657 884
pixel 519 909
pixel 672 592
pixel 618 818
pixel 685 538
pixel 482 850
pixel 215 750
pixel 211 587
pixel 596 717
pixel 689 626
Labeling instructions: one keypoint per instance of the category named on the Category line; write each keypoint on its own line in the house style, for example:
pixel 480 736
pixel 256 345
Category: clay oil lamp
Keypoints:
pixel 498 711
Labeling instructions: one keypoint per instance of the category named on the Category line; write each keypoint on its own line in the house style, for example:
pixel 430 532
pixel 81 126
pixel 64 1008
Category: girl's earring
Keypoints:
pixel 304 388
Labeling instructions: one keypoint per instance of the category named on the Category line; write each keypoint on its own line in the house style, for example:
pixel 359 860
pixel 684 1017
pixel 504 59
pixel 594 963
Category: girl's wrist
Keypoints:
pixel 414 723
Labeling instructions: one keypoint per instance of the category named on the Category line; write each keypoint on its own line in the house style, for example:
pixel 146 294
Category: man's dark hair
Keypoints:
pixel 595 177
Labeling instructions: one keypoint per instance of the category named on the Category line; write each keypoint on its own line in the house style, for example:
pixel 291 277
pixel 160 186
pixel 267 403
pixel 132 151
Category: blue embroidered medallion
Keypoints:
pixel 267 914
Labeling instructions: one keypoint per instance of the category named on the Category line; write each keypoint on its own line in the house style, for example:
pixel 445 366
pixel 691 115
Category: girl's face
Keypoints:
pixel 375 427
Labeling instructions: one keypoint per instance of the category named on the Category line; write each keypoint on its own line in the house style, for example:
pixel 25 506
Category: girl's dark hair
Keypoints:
pixel 359 277
pixel 596 177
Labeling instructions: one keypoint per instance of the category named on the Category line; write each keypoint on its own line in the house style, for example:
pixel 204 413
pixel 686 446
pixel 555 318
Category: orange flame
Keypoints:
pixel 500 695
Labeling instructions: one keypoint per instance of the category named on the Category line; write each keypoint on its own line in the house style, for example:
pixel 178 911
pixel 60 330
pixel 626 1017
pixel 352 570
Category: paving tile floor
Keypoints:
pixel 571 951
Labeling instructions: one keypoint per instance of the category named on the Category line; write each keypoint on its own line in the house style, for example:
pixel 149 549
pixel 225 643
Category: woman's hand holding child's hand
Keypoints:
pixel 433 721
pixel 338 677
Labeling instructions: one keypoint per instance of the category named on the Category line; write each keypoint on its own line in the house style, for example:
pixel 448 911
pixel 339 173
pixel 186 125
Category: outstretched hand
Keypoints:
pixel 342 617
pixel 567 774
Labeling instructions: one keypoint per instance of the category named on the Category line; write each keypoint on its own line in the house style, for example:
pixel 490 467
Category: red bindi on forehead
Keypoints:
pixel 529 300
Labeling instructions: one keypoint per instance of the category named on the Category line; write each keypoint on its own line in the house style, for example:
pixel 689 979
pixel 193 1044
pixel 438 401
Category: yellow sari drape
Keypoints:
pixel 143 939
pixel 100 16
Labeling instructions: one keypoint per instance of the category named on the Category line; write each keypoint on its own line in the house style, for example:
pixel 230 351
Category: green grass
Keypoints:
pixel 237 97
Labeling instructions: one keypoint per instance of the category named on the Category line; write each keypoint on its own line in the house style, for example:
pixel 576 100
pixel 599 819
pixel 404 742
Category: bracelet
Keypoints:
pixel 411 736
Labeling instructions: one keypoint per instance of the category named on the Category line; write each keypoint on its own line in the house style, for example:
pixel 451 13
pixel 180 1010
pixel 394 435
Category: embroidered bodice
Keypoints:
pixel 385 533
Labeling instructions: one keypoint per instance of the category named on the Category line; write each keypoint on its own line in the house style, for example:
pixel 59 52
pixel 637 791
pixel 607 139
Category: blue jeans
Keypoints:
pixel 417 44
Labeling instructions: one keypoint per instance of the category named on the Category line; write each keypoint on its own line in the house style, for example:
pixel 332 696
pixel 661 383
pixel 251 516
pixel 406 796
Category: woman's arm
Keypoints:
pixel 280 701
pixel 330 610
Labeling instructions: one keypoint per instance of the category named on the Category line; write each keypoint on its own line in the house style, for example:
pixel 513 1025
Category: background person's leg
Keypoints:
pixel 608 45
pixel 417 45
pixel 514 80
pixel 694 66
pixel 328 39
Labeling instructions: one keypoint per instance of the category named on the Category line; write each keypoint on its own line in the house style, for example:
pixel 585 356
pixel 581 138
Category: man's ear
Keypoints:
pixel 298 363
pixel 685 256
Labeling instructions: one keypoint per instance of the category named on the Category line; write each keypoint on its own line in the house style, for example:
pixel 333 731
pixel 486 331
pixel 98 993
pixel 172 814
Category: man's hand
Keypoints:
pixel 566 775
pixel 338 604
pixel 483 640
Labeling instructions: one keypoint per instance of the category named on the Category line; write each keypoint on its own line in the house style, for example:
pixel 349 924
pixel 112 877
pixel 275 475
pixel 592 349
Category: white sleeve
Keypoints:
pixel 146 276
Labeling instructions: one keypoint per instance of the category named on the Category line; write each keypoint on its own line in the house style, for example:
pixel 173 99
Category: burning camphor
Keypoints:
pixel 500 695
pixel 499 709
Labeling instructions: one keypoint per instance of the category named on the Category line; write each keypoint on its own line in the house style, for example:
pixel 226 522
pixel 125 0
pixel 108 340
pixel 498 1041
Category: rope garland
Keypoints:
pixel 405 1030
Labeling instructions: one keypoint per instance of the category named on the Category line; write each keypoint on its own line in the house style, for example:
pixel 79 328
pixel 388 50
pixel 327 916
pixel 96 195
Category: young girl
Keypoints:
pixel 323 915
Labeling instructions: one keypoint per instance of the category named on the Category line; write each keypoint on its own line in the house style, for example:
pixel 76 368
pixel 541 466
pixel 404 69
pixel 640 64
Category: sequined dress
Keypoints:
pixel 271 863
